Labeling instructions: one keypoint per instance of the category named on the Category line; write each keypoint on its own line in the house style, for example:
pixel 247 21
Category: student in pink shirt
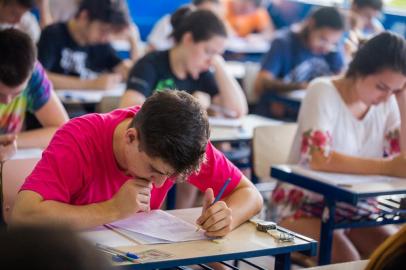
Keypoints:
pixel 103 167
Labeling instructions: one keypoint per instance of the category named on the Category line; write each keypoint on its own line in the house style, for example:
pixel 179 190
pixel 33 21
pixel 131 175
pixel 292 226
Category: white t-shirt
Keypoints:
pixel 28 24
pixel 160 34
pixel 323 109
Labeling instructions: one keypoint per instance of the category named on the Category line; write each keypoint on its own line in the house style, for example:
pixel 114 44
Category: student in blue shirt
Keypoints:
pixel 299 54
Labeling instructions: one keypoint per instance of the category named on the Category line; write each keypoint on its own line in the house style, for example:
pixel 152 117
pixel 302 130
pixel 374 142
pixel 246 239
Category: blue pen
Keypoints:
pixel 218 197
pixel 119 252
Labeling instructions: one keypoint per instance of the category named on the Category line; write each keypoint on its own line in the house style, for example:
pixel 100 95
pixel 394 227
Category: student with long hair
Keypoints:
pixel 355 124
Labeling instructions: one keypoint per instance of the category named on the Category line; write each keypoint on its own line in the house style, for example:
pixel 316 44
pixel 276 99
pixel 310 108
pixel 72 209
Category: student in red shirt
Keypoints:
pixel 103 167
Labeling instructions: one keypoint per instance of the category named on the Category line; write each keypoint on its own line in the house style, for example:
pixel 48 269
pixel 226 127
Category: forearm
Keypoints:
pixel 245 202
pixel 36 138
pixel 230 93
pixel 69 82
pixel 340 163
pixel 280 86
pixel 77 217
pixel 402 110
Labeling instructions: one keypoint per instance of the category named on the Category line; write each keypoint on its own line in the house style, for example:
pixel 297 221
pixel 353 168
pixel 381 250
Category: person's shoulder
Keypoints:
pixel 155 58
pixel 56 29
pixel 321 89
pixel 283 36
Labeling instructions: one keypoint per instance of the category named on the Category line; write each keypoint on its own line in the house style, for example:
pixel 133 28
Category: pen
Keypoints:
pixel 130 255
pixel 115 257
pixel 218 197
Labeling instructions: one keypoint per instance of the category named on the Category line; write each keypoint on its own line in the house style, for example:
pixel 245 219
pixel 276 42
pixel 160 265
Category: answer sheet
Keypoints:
pixel 161 225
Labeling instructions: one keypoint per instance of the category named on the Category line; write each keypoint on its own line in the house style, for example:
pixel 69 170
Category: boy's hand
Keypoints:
pixel 134 196
pixel 106 81
pixel 8 146
pixel 215 219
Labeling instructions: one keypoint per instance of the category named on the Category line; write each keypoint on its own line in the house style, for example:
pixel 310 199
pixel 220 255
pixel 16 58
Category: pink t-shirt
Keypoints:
pixel 79 166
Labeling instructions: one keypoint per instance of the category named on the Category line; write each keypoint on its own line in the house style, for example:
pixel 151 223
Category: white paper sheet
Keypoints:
pixel 27 153
pixel 343 179
pixel 161 225
pixel 107 237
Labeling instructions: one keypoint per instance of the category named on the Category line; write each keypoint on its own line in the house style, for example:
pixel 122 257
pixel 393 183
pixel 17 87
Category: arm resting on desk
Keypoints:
pixel 104 81
pixel 30 208
pixel 51 116
pixel 266 81
pixel 231 96
pixel 340 163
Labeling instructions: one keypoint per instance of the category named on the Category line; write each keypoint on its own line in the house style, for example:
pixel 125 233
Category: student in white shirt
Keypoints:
pixel 351 124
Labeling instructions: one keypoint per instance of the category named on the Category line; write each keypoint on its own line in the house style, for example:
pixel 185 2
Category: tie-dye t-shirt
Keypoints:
pixel 34 96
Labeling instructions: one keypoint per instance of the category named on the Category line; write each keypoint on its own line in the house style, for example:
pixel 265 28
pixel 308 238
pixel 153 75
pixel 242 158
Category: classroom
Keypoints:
pixel 203 134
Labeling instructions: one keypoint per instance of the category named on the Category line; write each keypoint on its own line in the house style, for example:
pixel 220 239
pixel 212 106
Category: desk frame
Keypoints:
pixel 333 194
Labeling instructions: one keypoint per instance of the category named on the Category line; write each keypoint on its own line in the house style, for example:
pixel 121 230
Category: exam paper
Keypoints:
pixel 343 179
pixel 162 225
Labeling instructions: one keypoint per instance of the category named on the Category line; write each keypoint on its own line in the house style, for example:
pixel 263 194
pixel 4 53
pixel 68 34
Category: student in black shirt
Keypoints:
pixel 78 55
pixel 194 64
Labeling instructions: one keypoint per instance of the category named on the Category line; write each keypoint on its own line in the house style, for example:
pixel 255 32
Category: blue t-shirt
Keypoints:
pixel 288 59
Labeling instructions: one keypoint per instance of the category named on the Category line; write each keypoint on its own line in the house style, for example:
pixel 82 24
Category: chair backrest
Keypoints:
pixel 13 176
pixel 271 145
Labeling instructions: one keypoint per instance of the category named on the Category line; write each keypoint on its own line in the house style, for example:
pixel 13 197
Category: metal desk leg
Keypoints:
pixel 282 262
pixel 327 230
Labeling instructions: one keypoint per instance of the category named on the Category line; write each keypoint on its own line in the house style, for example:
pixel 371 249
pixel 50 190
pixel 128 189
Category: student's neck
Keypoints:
pixel 176 63
pixel 76 32
pixel 346 88
pixel 118 143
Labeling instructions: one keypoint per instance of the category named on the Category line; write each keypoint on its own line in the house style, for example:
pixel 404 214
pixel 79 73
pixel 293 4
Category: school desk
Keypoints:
pixel 244 242
pixel 337 216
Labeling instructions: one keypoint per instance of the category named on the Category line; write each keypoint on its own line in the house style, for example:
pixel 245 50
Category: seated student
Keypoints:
pixel 349 124
pixel 50 248
pixel 16 13
pixel 200 39
pixel 24 87
pixel 247 18
pixel 54 11
pixel 160 37
pixel 77 54
pixel 125 161
pixel 299 54
pixel 363 23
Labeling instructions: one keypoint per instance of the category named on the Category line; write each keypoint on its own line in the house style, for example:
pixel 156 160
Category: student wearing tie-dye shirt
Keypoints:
pixel 24 87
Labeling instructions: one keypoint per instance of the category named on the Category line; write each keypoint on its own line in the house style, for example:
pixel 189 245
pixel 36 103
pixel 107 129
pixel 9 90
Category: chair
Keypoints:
pixel 271 146
pixel 12 177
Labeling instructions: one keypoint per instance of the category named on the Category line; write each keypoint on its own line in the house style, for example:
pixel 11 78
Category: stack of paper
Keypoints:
pixel 158 226
pixel 154 227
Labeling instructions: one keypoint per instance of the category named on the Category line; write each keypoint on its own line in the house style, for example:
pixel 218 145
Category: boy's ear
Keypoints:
pixel 131 135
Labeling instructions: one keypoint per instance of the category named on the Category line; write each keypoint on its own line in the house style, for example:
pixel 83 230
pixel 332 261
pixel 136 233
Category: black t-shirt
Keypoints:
pixel 59 53
pixel 153 72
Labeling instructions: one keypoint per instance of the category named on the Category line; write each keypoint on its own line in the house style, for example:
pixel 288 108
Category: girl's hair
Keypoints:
pixel 384 51
pixel 202 24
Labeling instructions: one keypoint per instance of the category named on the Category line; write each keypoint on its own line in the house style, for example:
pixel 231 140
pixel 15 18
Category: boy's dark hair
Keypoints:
pixel 28 4
pixel 18 55
pixel 201 2
pixel 48 248
pixel 374 4
pixel 384 51
pixel 173 126
pixel 202 24
pixel 114 12
pixel 329 17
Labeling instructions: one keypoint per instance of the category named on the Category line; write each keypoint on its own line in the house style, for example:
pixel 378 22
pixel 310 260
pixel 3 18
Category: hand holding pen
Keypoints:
pixel 216 215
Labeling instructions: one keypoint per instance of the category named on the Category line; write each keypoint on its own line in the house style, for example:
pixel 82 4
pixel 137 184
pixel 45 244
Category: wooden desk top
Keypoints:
pixel 244 242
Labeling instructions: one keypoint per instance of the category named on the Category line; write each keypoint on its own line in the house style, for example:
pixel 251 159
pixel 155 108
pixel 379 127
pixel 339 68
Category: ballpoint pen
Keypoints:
pixel 218 197
pixel 130 255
